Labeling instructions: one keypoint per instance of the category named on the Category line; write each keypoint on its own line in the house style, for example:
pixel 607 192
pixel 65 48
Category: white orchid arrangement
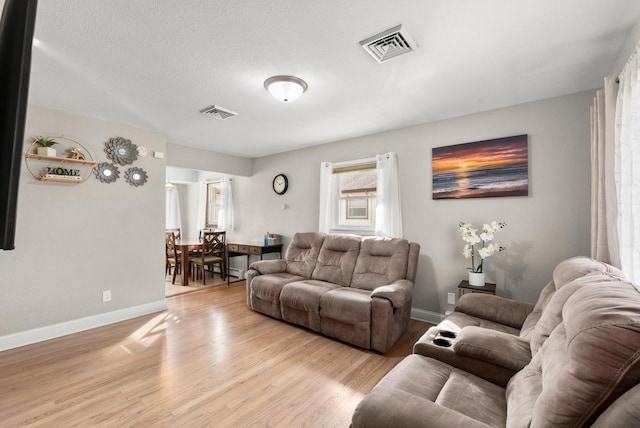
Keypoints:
pixel 487 249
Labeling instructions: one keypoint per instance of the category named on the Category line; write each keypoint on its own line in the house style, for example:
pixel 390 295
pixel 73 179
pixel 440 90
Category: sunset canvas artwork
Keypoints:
pixel 483 169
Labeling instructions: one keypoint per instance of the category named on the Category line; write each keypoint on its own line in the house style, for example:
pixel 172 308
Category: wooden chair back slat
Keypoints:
pixel 176 232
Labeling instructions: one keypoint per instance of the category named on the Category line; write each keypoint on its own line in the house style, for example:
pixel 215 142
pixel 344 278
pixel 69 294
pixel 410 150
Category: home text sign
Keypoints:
pixel 63 171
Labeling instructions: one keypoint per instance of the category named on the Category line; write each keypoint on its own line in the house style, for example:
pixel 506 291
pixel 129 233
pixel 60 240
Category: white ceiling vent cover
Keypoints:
pixel 218 112
pixel 389 44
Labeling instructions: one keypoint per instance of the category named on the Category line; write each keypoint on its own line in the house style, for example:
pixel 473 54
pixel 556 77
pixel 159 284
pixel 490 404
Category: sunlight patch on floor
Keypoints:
pixel 151 330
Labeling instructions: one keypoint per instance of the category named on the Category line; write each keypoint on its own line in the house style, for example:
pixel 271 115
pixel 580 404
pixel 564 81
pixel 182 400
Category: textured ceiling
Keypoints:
pixel 156 63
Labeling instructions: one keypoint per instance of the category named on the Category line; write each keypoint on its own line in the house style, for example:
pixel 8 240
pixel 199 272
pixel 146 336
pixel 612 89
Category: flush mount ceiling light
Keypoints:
pixel 285 88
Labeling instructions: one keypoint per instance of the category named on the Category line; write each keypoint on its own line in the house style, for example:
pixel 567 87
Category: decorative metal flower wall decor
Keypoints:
pixel 106 172
pixel 136 176
pixel 121 151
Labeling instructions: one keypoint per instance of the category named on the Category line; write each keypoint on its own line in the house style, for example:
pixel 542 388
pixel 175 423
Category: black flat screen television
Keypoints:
pixel 16 38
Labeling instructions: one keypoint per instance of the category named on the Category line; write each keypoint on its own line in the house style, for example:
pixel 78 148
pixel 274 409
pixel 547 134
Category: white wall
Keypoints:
pixel 181 175
pixel 206 160
pixel 549 225
pixel 74 241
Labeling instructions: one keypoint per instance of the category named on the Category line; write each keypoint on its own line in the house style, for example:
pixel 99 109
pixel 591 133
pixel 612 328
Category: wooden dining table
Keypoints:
pixel 186 245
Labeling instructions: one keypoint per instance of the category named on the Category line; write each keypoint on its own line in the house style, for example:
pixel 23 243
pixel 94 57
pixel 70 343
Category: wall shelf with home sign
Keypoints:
pixel 75 168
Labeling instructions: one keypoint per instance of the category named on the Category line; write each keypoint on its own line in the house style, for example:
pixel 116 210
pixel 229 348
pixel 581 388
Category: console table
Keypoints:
pixel 248 250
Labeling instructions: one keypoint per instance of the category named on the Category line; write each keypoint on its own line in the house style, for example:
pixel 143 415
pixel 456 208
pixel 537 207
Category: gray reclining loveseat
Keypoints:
pixel 356 289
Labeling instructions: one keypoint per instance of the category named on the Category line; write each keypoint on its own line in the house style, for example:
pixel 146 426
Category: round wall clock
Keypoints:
pixel 280 184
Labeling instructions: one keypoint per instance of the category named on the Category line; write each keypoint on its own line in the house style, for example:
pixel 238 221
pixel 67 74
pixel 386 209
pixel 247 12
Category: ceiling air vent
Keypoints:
pixel 388 44
pixel 218 112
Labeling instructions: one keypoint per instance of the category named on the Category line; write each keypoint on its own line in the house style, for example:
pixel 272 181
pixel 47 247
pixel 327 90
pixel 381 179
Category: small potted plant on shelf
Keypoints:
pixel 45 146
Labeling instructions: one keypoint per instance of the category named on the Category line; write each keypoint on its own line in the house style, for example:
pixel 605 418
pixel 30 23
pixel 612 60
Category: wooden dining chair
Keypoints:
pixel 213 252
pixel 172 256
pixel 176 232
pixel 220 250
pixel 206 230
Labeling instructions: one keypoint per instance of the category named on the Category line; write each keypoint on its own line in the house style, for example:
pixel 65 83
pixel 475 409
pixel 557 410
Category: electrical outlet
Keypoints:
pixel 451 298
pixel 106 296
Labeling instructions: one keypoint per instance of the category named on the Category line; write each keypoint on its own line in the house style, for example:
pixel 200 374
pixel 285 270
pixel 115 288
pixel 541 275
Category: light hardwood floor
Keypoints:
pixel 197 285
pixel 208 361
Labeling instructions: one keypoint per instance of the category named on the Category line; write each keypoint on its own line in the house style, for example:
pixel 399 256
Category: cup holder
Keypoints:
pixel 448 334
pixel 441 342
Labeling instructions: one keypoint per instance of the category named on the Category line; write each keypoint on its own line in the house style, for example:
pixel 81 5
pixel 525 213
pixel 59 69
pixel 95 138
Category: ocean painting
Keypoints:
pixel 483 169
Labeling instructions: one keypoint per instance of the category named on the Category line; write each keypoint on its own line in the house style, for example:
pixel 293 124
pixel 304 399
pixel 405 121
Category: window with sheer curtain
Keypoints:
pixel 615 171
pixel 213 204
pixel 361 196
pixel 356 197
pixel 627 167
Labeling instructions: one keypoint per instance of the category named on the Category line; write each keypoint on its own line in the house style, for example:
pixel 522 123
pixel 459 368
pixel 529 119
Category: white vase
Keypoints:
pixel 46 151
pixel 476 279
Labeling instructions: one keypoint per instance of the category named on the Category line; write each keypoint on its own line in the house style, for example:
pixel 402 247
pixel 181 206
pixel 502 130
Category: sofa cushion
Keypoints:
pixel 576 267
pixel 265 292
pixel 569 276
pixel 348 305
pixel 422 391
pixel 345 313
pixel 624 412
pixel 565 273
pixel 381 261
pixel 590 359
pixel 533 318
pixel 302 254
pixel 337 258
pixel 300 302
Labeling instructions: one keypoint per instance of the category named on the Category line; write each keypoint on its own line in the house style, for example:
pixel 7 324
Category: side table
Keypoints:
pixel 464 288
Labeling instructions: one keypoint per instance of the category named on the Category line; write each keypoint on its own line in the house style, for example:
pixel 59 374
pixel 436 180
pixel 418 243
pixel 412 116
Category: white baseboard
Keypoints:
pixel 28 337
pixel 237 272
pixel 426 316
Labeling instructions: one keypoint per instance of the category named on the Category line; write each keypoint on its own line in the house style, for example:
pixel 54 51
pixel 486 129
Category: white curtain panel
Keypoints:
pixel 627 167
pixel 327 199
pixel 388 207
pixel 202 206
pixel 604 236
pixel 225 219
pixel 172 209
